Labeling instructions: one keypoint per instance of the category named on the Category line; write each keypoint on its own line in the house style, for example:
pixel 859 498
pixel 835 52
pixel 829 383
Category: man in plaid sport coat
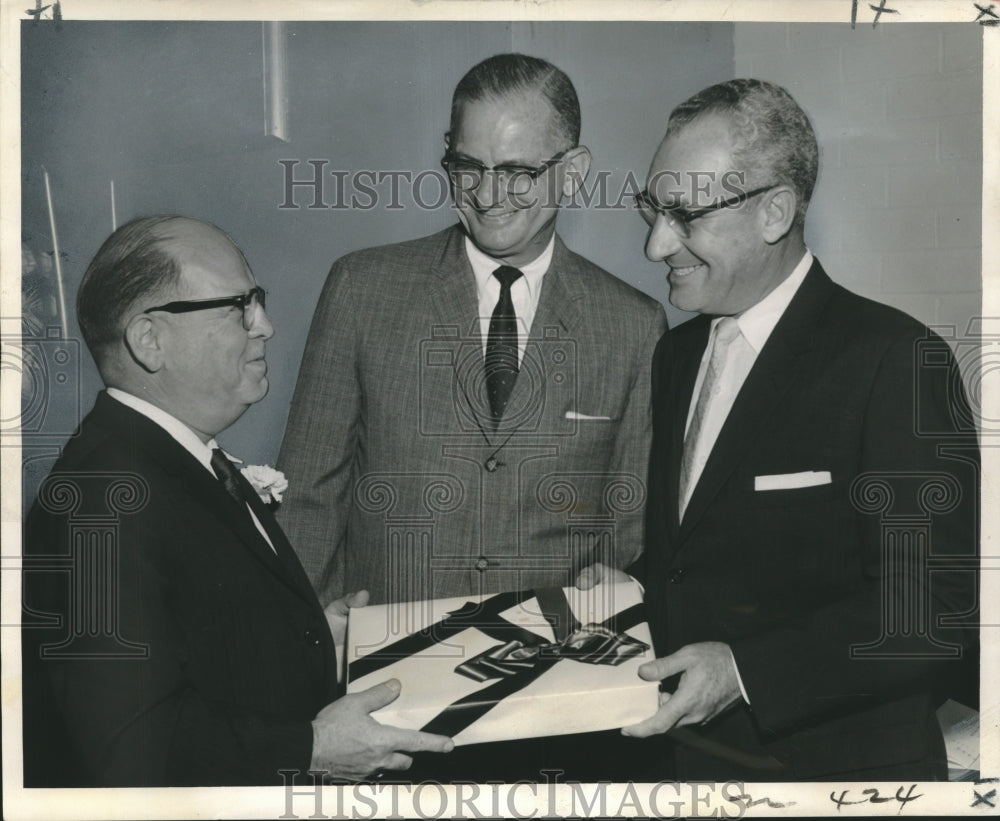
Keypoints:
pixel 402 479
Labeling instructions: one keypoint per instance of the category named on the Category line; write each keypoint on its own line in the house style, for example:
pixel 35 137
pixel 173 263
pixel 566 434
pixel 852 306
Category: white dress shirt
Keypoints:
pixel 524 293
pixel 183 435
pixel 756 324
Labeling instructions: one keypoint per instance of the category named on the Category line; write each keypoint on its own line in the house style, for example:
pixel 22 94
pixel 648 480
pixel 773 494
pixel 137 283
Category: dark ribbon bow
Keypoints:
pixel 592 644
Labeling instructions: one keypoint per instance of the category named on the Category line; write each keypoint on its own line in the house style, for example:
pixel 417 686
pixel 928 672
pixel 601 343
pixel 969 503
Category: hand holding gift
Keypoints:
pixel 337 612
pixel 349 744
pixel 708 686
pixel 597 573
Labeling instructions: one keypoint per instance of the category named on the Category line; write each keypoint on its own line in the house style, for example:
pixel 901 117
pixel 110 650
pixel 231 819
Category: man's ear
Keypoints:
pixel 144 342
pixel 577 162
pixel 778 212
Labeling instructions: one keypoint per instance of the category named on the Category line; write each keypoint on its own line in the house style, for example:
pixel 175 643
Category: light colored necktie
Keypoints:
pixel 696 446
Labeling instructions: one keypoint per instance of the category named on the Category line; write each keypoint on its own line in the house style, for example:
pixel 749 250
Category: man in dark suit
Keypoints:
pixel 813 507
pixel 472 411
pixel 170 635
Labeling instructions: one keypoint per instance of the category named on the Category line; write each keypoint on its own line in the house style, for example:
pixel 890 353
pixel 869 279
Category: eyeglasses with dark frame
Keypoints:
pixel 245 302
pixel 466 173
pixel 680 218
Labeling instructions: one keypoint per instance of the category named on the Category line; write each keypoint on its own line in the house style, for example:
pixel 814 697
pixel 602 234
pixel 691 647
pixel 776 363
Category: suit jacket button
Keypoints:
pixel 312 637
pixel 482 564
pixel 675 575
pixel 491 464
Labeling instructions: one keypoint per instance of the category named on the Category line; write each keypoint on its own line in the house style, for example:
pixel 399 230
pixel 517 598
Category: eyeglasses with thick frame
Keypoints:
pixel 466 173
pixel 245 302
pixel 680 218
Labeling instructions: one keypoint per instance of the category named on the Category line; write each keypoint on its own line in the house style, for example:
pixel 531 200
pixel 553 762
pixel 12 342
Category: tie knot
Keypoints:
pixel 227 474
pixel 220 461
pixel 727 330
pixel 507 275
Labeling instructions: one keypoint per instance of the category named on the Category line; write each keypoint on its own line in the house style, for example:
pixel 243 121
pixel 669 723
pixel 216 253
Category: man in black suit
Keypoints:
pixel 185 645
pixel 813 496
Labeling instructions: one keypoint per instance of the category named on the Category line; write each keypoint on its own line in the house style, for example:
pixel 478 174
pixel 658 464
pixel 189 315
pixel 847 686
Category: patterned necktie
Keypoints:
pixel 696 449
pixel 227 475
pixel 501 345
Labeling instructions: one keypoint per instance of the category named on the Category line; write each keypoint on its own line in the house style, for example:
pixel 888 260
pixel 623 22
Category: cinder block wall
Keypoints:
pixel 898 114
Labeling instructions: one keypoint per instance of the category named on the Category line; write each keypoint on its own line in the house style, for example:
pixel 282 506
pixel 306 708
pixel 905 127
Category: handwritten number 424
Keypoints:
pixel 872 797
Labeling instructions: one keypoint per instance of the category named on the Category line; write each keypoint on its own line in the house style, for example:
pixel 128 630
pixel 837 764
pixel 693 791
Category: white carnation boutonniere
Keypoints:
pixel 269 483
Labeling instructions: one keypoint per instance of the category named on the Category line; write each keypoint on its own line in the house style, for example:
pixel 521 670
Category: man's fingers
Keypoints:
pixel 659 669
pixel 665 718
pixel 374 698
pixel 342 606
pixel 338 607
pixel 672 708
pixel 358 599
pixel 587 578
pixel 597 573
pixel 397 761
pixel 414 741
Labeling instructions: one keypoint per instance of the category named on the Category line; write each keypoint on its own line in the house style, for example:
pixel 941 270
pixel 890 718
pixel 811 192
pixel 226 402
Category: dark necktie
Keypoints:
pixel 501 345
pixel 238 488
pixel 227 475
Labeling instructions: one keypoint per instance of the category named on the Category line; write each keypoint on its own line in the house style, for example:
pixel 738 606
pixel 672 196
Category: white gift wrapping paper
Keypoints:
pixel 570 696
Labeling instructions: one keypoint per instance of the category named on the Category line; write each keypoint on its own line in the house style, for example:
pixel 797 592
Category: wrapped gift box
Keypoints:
pixel 514 665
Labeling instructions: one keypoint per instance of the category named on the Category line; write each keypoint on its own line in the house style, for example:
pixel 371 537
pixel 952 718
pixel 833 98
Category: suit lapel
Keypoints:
pixel 283 550
pixel 561 300
pixel 768 381
pixel 203 488
pixel 456 314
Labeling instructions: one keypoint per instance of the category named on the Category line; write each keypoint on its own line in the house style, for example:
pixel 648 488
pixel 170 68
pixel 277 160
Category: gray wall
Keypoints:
pixel 897 214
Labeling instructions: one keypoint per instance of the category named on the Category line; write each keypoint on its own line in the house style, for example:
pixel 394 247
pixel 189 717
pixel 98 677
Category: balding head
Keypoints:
pixel 137 266
pixel 130 267
pixel 172 313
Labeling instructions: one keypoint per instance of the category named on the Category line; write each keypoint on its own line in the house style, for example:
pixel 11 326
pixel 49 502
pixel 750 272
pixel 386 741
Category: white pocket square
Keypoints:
pixel 584 417
pixel 789 481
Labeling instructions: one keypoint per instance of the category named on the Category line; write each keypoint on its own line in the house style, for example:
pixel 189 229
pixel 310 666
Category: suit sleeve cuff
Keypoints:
pixel 739 678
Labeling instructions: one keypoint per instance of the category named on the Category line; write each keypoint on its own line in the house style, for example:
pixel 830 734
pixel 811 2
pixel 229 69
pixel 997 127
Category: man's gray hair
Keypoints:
pixel 131 266
pixel 772 137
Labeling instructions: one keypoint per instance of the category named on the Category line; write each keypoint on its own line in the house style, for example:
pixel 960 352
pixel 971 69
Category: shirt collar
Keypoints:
pixel 180 432
pixel 757 321
pixel 483 266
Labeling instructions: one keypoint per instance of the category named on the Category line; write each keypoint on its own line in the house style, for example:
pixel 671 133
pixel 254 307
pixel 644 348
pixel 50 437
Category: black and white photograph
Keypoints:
pixel 509 409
